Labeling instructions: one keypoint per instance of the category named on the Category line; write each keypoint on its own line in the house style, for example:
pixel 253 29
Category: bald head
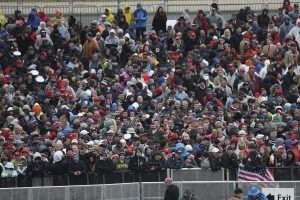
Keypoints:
pixel 168 182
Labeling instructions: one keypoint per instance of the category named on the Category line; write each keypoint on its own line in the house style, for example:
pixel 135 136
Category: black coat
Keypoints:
pixel 235 41
pixel 137 163
pixel 215 163
pixel 104 166
pixel 37 169
pixel 156 165
pixel 263 20
pixel 172 193
pixel 74 167
pixel 159 22
pixel 59 168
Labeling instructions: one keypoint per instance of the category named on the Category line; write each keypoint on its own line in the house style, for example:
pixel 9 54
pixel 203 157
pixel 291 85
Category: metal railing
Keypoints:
pixel 92 10
pixel 150 6
pixel 194 174
pixel 140 191
pixel 86 179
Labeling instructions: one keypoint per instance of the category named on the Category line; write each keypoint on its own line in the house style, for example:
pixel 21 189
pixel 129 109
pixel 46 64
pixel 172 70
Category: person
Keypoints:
pixel 60 165
pixel 263 19
pixel 137 162
pixel 188 195
pixel 215 19
pixel 140 19
pixel 295 32
pixel 172 191
pixel 37 167
pixel 9 170
pixel 287 6
pixel 128 15
pixel 122 163
pixel 230 161
pixel 294 13
pixel 156 162
pixel 3 20
pixel 159 22
pixel 255 193
pixel 285 28
pixel 76 166
pixel 90 46
pixel 58 18
pixel 104 164
pixel 214 159
pixel 201 21
pixel 109 15
pixel 237 194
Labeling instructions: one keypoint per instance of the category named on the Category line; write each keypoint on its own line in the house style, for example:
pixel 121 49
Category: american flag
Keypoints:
pixel 255 174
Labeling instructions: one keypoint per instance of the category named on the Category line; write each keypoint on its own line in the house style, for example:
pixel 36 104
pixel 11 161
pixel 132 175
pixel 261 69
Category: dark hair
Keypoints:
pixel 238 191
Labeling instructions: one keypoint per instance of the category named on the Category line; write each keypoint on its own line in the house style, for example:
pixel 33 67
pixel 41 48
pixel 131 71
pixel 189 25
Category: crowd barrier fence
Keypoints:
pixel 91 10
pixel 140 190
pixel 194 174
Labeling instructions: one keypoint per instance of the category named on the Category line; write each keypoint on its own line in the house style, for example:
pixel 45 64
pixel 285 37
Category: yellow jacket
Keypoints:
pixel 110 17
pixel 3 20
pixel 128 15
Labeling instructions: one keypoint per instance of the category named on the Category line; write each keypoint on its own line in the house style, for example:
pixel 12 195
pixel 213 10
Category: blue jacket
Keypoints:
pixel 140 18
pixel 33 20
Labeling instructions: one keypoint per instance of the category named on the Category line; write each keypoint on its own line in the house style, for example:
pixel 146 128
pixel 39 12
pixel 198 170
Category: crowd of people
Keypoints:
pixel 112 95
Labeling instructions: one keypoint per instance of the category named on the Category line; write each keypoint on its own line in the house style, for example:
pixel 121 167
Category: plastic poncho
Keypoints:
pixel 3 19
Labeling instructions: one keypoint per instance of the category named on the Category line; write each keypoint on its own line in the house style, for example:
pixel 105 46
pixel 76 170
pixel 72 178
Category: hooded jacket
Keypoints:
pixel 43 17
pixel 58 17
pixel 140 18
pixel 263 19
pixel 110 17
pixel 3 19
pixel 33 20
pixel 128 15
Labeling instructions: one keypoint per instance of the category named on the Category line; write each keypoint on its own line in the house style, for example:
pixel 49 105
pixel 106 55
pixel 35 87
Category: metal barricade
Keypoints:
pixel 230 7
pixel 197 174
pixel 85 13
pixel 179 8
pixel 137 191
pixel 124 191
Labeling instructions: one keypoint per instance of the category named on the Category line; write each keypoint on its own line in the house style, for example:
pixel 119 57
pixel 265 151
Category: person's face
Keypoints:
pixel 76 159
pixel 104 157
pixel 38 159
pixel 122 157
pixel 167 183
pixel 138 154
pixel 160 9
pixel 184 104
pixel 75 148
pixel 157 157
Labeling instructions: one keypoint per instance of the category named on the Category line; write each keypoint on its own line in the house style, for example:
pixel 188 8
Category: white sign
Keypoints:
pixel 279 193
